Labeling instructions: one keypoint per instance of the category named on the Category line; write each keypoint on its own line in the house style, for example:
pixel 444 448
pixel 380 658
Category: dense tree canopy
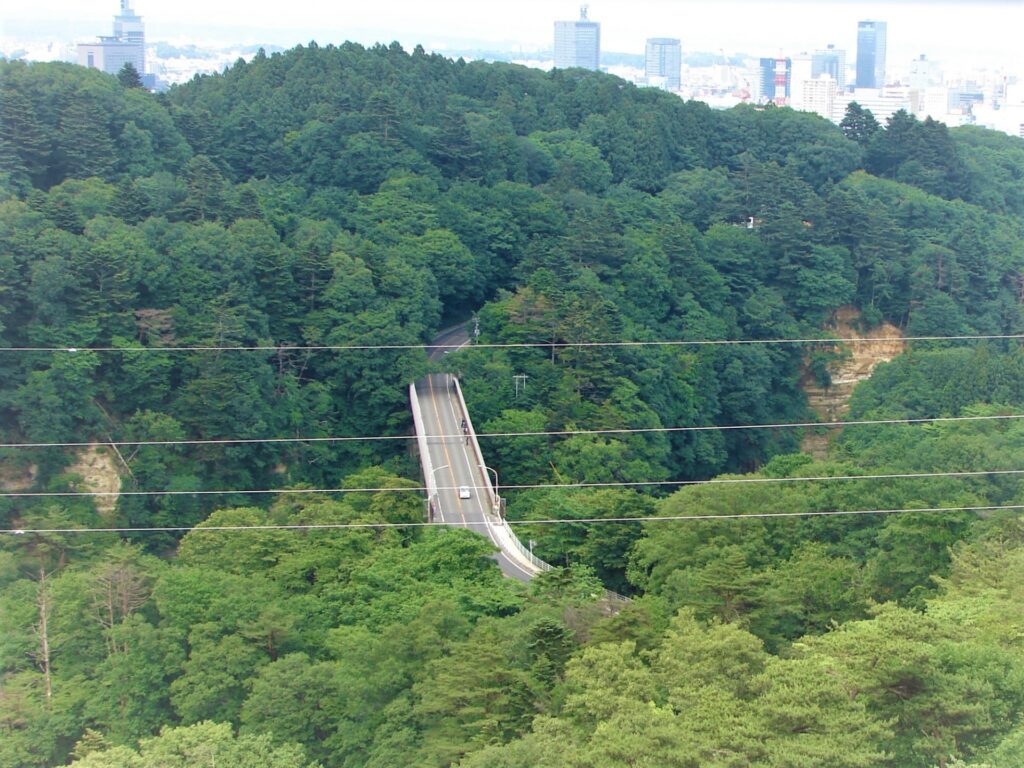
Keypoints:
pixel 339 196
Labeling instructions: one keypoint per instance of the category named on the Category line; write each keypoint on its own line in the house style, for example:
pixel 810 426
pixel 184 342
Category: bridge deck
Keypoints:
pixel 453 462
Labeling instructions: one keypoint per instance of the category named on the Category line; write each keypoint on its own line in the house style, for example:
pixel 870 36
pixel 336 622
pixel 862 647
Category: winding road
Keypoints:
pixel 453 461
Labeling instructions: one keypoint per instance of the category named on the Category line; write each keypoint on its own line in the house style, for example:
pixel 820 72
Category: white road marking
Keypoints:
pixel 444 447
pixel 487 523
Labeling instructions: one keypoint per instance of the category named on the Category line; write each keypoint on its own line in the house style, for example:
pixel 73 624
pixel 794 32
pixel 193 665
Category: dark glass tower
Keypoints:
pixel 664 59
pixel 871 54
pixel 831 62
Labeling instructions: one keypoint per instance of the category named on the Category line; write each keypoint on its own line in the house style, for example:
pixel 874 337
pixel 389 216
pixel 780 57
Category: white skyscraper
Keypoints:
pixel 924 73
pixel 127 44
pixel 578 43
pixel 819 95
pixel 801 70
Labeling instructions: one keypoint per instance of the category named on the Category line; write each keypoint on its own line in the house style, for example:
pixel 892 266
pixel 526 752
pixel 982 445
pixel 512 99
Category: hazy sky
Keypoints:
pixel 986 31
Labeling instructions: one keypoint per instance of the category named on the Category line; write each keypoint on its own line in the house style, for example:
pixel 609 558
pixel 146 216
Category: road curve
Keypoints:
pixel 452 463
pixel 448 340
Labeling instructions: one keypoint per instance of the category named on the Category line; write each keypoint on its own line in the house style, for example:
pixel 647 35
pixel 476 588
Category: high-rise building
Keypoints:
pixel 664 61
pixel 882 103
pixel 924 73
pixel 578 43
pixel 871 54
pixel 774 77
pixel 801 67
pixel 831 62
pixel 818 94
pixel 127 44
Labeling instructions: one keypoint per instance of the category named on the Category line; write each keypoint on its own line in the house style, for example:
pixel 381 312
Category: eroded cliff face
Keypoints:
pixel 859 360
pixel 98 467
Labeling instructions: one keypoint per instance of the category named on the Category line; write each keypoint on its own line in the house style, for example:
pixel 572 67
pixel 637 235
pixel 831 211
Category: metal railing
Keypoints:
pixel 421 442
pixel 492 492
pixel 613 598
pixel 533 559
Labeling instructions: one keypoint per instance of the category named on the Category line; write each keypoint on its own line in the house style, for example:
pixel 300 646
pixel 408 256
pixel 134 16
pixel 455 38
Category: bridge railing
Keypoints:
pixel 533 559
pixel 421 443
pixel 613 598
pixel 478 456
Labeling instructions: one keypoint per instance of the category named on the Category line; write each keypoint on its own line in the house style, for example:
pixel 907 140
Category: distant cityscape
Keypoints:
pixel 823 81
pixel 819 81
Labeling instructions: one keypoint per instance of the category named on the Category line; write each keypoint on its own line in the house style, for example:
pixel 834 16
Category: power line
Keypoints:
pixel 525 486
pixel 540 433
pixel 521 345
pixel 481 523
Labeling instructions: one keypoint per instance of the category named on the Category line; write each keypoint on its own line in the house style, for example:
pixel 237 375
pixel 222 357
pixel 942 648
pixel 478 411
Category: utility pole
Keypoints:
pixel 520 379
pixel 476 329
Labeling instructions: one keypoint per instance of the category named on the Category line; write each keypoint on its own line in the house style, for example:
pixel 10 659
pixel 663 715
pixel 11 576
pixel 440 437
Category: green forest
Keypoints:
pixel 329 197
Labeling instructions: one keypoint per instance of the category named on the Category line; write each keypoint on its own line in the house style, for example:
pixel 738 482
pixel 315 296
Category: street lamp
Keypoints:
pixel 497 497
pixel 435 469
pixel 437 496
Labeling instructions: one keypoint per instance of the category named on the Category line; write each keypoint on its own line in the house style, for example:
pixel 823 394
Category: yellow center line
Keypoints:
pixel 444 446
pixel 481 476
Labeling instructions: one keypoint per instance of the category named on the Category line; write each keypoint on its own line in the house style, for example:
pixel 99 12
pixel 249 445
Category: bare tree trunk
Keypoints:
pixel 111 620
pixel 119 589
pixel 42 630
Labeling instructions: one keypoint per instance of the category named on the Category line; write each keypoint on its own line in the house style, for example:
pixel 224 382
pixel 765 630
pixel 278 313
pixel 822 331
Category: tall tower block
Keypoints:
pixel 578 43
pixel 126 45
pixel 871 44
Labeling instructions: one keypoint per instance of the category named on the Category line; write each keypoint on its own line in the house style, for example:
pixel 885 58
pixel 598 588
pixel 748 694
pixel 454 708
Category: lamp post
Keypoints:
pixel 437 496
pixel 497 497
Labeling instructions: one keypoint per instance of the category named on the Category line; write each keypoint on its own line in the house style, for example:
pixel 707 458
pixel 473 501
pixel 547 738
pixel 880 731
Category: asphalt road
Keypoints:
pixel 454 466
pixel 448 340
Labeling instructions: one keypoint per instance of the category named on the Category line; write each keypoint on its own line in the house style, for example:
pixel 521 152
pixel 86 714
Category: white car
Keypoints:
pixel 464 492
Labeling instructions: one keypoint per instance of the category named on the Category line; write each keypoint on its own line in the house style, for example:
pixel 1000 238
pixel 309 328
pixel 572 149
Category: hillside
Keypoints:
pixel 257 256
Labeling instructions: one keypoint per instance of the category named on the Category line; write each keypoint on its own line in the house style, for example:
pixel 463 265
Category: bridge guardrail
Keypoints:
pixel 510 536
pixel 611 597
pixel 477 454
pixel 533 559
pixel 421 443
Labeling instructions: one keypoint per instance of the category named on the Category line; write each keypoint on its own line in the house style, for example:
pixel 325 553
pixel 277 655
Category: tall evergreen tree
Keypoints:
pixel 859 124
pixel 25 147
pixel 84 139
pixel 129 76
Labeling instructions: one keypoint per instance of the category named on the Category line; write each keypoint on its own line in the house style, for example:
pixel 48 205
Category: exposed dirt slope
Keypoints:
pixel 98 467
pixel 831 403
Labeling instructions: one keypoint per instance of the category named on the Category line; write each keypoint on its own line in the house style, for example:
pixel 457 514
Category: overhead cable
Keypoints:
pixel 538 433
pixel 520 487
pixel 521 345
pixel 481 523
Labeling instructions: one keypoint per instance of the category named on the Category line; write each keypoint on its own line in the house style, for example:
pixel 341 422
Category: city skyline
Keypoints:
pixel 982 33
